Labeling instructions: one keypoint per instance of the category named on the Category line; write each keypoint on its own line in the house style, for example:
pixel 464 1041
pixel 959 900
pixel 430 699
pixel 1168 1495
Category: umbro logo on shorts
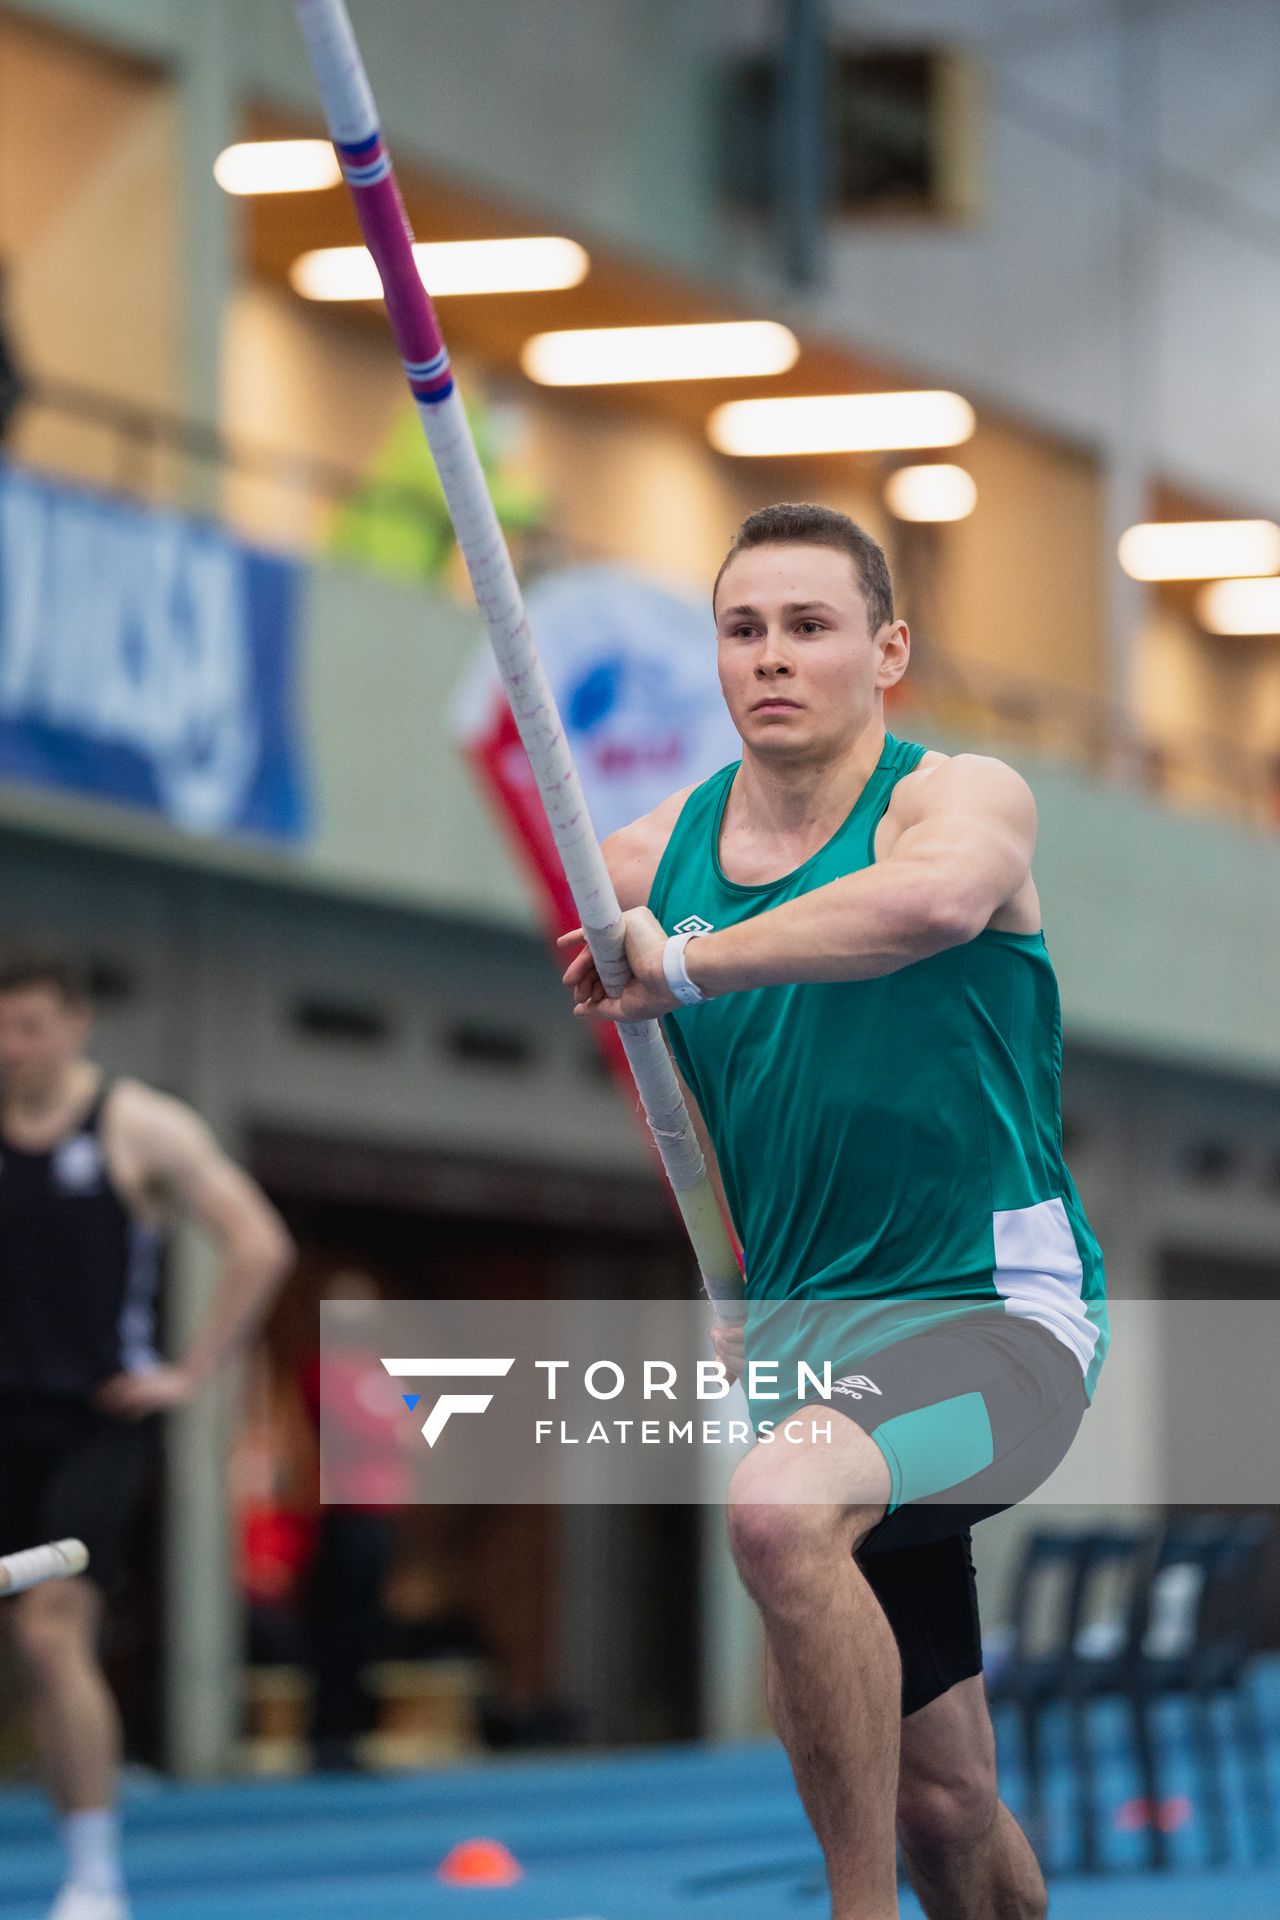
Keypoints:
pixel 855 1385
pixel 693 923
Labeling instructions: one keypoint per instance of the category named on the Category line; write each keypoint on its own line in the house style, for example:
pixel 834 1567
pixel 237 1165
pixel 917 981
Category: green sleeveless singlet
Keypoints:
pixel 888 1140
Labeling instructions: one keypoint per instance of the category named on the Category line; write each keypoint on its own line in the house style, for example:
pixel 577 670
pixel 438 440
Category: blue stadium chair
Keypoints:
pixel 1141 1616
pixel 1063 1592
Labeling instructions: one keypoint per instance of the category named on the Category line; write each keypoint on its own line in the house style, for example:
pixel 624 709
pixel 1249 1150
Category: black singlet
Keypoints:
pixel 78 1271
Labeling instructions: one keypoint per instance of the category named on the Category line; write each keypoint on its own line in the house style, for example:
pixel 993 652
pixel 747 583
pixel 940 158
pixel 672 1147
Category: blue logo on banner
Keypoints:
pixel 149 659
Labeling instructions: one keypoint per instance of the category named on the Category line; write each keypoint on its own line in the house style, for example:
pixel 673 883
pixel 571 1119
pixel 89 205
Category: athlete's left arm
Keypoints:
pixel 165 1152
pixel 964 849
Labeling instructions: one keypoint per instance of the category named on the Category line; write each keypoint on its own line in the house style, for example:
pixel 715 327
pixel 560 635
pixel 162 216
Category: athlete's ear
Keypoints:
pixel 894 642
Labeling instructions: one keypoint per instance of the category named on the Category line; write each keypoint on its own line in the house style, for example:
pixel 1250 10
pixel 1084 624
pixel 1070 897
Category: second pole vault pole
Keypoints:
pixel 353 126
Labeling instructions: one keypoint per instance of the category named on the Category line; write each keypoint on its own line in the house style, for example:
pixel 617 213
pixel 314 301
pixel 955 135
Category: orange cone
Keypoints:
pixel 479 1863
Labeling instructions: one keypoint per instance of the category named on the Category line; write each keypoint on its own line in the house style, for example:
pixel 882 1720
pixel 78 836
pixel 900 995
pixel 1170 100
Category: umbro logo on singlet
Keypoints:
pixel 855 1385
pixel 693 923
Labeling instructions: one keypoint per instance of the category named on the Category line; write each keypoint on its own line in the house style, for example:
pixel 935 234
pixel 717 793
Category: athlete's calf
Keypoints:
pixel 966 1854
pixel 834 1676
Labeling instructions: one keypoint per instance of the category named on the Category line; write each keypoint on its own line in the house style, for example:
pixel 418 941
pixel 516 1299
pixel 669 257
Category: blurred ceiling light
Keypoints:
pixel 277 166
pixel 931 493
pixel 1200 549
pixel 533 265
pixel 841 423
pixel 1240 606
pixel 603 356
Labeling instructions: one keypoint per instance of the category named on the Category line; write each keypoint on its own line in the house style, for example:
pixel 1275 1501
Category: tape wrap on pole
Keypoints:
pixel 32 1566
pixel 353 125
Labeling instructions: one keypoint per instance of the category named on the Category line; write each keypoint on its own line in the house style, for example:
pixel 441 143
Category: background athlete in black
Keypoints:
pixel 90 1173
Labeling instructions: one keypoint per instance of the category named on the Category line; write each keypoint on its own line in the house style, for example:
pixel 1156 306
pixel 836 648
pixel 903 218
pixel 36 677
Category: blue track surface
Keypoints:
pixel 693 1833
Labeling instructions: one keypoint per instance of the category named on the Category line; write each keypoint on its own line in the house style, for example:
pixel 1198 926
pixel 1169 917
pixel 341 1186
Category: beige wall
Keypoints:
pixel 636 489
pixel 1013 595
pixel 617 485
pixel 91 235
pixel 300 382
pixel 1024 572
pixel 1006 607
pixel 1210 708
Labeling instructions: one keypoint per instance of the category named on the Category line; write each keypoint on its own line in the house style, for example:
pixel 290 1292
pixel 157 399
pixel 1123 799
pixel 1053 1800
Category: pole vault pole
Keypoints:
pixel 353 126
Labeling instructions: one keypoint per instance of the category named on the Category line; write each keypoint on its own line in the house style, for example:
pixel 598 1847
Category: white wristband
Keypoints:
pixel 676 974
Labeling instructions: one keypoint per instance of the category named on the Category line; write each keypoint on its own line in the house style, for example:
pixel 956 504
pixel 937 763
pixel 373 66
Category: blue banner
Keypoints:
pixel 149 659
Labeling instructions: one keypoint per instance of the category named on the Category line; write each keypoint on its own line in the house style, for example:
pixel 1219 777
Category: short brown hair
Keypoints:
pixel 62 976
pixel 794 522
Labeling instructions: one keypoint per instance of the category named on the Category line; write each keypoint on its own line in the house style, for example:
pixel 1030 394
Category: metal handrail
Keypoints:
pixel 148 431
pixel 1205 769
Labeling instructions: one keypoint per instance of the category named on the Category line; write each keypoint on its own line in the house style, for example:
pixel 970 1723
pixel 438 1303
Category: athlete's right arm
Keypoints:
pixel 633 855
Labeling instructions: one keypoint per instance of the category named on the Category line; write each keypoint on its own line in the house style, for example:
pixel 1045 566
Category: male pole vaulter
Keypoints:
pixel 858 994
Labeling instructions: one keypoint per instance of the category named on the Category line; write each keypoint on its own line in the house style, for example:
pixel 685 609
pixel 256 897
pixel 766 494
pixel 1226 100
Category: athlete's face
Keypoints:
pixel 800 668
pixel 41 1036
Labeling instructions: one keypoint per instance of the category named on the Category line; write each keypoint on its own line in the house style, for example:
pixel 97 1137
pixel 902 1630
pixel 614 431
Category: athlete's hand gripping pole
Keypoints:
pixel 34 1565
pixel 353 127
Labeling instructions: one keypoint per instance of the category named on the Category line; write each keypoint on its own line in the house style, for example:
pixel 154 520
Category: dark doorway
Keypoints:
pixel 507 1583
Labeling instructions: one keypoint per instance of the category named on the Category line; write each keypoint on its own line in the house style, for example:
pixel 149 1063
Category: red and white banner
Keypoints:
pixel 633 669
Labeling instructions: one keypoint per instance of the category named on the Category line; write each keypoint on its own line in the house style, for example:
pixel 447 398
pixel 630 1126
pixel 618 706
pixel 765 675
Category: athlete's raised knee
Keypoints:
pixel 784 1522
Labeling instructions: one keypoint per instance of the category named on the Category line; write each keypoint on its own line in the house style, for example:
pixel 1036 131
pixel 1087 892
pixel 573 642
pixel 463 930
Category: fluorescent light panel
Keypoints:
pixel 1200 549
pixel 1240 606
pixel 931 493
pixel 841 423
pixel 606 356
pixel 535 264
pixel 277 166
